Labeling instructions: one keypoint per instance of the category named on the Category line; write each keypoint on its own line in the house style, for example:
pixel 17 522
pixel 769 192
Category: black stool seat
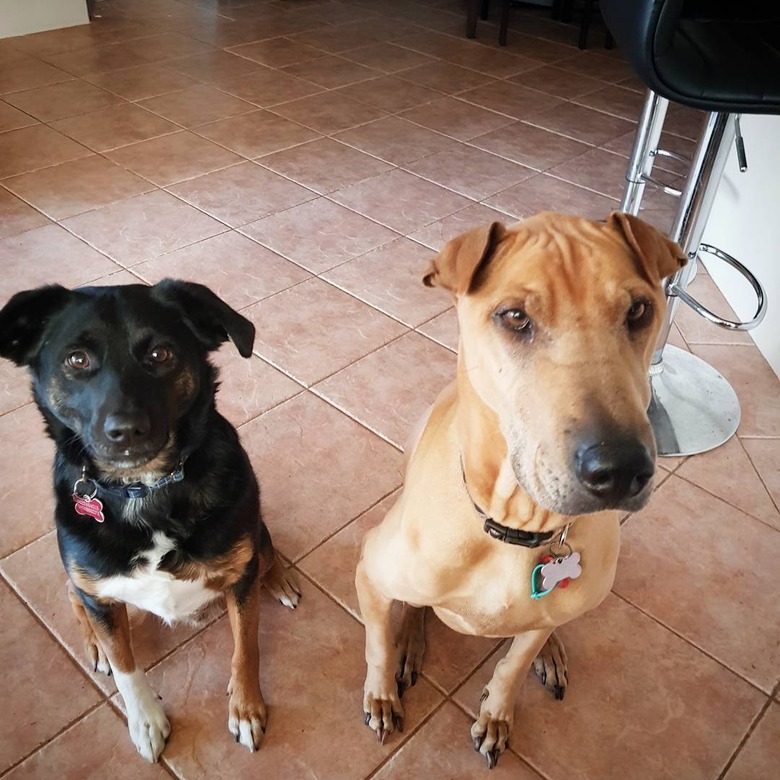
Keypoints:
pixel 707 54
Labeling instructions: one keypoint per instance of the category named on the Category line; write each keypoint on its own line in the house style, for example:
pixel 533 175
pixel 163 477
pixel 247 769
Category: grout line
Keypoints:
pixel 751 728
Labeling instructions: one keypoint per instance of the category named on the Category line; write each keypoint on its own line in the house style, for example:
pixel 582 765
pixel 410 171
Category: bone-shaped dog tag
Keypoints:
pixel 553 572
pixel 91 507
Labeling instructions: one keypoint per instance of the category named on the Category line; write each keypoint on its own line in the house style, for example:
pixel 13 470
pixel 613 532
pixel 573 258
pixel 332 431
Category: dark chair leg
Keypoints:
pixel 504 23
pixel 484 10
pixel 587 13
pixel 609 41
pixel 471 18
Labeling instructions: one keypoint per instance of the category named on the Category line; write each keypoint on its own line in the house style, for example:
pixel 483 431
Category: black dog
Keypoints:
pixel 157 503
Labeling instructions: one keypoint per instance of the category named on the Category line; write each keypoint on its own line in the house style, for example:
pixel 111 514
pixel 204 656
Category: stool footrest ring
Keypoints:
pixel 711 316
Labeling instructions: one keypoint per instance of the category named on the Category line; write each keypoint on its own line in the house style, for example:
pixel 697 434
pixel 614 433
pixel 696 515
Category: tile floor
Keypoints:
pixel 305 158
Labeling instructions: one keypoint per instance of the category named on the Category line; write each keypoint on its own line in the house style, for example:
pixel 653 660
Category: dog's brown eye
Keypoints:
pixel 160 355
pixel 78 360
pixel 638 313
pixel 515 319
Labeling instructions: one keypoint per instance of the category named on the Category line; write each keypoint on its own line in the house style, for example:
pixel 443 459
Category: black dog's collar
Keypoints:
pixel 504 533
pixel 136 490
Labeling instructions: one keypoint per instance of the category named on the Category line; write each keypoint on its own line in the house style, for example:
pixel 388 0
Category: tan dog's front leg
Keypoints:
pixel 491 730
pixel 411 643
pixel 246 708
pixel 149 728
pixel 381 703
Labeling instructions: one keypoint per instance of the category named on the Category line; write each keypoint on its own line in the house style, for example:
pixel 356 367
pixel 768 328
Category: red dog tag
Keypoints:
pixel 92 507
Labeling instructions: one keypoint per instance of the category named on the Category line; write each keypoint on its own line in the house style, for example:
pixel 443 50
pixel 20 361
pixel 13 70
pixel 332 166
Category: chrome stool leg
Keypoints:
pixel 693 408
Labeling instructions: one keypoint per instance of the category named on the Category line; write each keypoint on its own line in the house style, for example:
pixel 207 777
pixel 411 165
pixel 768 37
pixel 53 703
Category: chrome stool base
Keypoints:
pixel 693 408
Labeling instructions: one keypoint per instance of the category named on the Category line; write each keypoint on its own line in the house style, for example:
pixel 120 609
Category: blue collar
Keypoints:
pixel 87 487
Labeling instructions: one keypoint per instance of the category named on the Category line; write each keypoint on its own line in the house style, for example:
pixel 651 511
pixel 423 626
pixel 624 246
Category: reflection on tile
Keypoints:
pixel 196 106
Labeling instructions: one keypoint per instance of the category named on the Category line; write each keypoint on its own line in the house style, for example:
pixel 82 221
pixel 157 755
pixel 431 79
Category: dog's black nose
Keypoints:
pixel 127 429
pixel 614 472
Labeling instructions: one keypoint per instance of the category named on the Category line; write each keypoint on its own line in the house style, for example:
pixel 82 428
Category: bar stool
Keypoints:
pixel 724 58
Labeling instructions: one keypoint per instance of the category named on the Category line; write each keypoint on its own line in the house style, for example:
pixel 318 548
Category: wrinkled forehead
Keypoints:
pixel 562 259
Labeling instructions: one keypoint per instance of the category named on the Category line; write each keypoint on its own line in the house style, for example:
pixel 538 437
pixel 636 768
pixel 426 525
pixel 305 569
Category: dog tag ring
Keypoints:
pixel 85 503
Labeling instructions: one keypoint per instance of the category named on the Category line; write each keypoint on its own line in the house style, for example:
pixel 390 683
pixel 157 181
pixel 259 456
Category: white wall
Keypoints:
pixel 745 223
pixel 21 17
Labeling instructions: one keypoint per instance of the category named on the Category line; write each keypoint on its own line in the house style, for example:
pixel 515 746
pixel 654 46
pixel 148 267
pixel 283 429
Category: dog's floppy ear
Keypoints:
pixel 456 268
pixel 658 255
pixel 23 321
pixel 208 316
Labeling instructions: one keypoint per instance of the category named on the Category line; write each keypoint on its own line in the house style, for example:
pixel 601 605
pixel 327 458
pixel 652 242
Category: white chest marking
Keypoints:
pixel 158 591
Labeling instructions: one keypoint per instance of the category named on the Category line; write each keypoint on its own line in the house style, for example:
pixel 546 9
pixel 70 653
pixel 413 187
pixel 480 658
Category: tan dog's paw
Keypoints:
pixel 282 584
pixel 246 717
pixel 551 667
pixel 490 734
pixel 383 713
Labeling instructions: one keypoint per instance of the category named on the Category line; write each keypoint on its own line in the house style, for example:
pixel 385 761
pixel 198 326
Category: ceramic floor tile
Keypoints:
pixel 214 67
pixel 35 713
pixel 346 330
pixel 241 193
pixel 754 383
pixel 143 227
pixel 759 755
pixel 301 740
pixel 702 593
pixel 324 165
pixel 328 112
pixel 268 87
pixel 74 187
pixel 319 234
pixel 256 134
pixel 456 118
pixel 29 73
pixel 13 119
pixel 697 330
pixel 395 140
pixel 27 260
pixel 530 145
pixel 196 106
pixel 430 753
pixel 16 216
pixel 765 455
pixel 249 387
pixel 335 38
pixel 583 124
pixel 615 100
pixel 318 469
pixel 390 93
pixel 437 234
pixel 277 52
pixel 597 66
pixel 58 101
pixel 663 708
pixel 331 72
pixel 728 473
pixel 173 158
pixel 596 169
pixel 443 329
pixel 558 82
pixel 98 32
pixel 111 128
pixel 97 746
pixel 99 59
pixel 33 148
pixel 445 77
pixel 684 147
pixel 390 279
pixel 470 172
pixel 512 99
pixel 391 389
pixel 536 48
pixel 36 573
pixel 386 57
pixel 400 200
pixel 684 121
pixel 240 271
pixel 544 193
pixel 144 81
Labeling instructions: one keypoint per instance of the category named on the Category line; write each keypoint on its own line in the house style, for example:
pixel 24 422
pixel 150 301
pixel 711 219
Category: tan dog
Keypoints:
pixel 543 433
